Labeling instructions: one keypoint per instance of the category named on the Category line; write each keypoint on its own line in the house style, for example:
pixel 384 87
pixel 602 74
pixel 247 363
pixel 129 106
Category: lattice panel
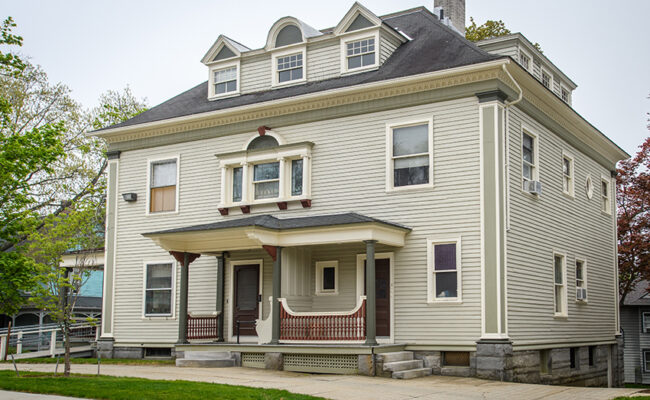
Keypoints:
pixel 325 363
pixel 252 360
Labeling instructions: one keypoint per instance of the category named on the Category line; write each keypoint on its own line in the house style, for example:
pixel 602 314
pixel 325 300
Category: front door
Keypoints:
pixel 382 295
pixel 245 302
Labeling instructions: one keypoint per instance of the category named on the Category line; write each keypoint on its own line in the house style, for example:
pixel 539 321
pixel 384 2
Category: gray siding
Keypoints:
pixel 555 222
pixel 631 327
pixel 348 174
pixel 388 44
pixel 256 73
pixel 323 60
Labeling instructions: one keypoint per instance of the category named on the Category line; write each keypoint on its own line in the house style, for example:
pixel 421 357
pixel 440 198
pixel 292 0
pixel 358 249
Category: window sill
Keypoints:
pixel 281 203
pixel 410 188
pixel 568 195
pixel 584 302
pixel 563 317
pixel 531 195
pixel 154 214
pixel 326 293
pixel 359 70
pixel 443 302
pixel 605 213
pixel 169 317
pixel 289 83
pixel 224 96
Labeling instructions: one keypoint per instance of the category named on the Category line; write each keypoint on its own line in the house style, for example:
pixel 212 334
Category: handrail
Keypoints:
pixel 289 311
pixel 202 326
pixel 204 315
pixel 49 328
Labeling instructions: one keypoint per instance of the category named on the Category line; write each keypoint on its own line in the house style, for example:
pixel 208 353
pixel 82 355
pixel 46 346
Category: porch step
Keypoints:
pixel 403 365
pixel 395 356
pixel 206 359
pixel 413 373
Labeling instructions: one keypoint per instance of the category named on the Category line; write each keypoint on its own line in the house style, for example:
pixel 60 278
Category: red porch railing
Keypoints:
pixel 202 326
pixel 332 326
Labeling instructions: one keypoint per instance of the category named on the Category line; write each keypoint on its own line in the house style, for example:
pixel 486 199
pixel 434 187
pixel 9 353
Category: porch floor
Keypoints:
pixel 292 348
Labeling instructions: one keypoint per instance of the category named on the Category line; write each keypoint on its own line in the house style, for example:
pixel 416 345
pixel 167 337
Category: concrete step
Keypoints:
pixel 403 365
pixel 182 362
pixel 413 373
pixel 395 356
pixel 207 355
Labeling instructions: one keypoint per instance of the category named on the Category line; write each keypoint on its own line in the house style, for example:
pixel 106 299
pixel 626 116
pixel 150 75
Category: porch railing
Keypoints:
pixel 323 326
pixel 203 326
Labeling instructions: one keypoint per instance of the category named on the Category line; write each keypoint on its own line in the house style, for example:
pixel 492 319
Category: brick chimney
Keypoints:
pixel 454 10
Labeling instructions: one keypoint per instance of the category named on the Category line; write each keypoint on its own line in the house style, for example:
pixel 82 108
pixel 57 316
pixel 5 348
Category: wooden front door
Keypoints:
pixel 246 299
pixel 382 295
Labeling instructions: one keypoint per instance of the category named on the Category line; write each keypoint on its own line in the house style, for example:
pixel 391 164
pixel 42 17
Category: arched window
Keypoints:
pixel 288 35
pixel 263 142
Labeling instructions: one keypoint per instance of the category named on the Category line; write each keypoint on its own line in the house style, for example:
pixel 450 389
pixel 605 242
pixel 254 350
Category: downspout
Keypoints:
pixel 507 141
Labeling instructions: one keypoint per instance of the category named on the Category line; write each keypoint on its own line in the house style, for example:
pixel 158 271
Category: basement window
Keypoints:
pixel 157 352
pixel 455 358
pixel 574 358
pixel 545 362
pixel 592 356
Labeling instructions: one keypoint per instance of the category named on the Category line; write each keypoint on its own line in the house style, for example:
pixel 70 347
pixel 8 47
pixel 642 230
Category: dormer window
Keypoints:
pixel 290 34
pixel 225 80
pixel 361 53
pixel 289 68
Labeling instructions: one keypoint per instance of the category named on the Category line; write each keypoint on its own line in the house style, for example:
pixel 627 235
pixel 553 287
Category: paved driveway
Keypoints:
pixel 351 386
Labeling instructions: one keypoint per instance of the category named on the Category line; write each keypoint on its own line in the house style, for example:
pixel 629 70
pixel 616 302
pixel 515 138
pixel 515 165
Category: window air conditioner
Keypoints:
pixel 581 294
pixel 533 187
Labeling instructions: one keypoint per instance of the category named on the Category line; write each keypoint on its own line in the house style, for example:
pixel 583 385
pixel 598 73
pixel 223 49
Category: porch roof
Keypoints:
pixel 267 230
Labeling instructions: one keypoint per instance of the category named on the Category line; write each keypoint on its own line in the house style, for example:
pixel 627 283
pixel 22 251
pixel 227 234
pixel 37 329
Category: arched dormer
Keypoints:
pixel 289 31
pixel 287 42
pixel 267 140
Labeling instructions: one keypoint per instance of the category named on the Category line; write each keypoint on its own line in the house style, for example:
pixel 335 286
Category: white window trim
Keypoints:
pixel 536 174
pixel 550 78
pixel 565 312
pixel 371 33
pixel 230 273
pixel 288 50
pixel 320 265
pixel 563 86
pixel 643 324
pixel 645 359
pixel 220 66
pixel 145 263
pixel 582 260
pixel 589 187
pixel 389 153
pixel 606 180
pixel 571 192
pixel 247 160
pixel 150 161
pixel 530 60
pixel 431 282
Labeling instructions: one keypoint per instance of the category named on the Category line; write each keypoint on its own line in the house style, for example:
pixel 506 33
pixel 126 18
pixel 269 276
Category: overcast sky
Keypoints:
pixel 155 47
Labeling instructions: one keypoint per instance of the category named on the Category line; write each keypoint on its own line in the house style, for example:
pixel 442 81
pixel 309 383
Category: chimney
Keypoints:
pixel 454 10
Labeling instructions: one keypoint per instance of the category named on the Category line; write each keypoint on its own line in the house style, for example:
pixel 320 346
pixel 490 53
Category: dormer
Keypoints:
pixel 223 61
pixel 287 43
pixel 365 41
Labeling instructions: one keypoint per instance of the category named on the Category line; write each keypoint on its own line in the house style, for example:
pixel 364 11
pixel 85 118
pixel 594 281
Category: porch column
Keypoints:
pixel 371 322
pixel 186 259
pixel 220 282
pixel 277 293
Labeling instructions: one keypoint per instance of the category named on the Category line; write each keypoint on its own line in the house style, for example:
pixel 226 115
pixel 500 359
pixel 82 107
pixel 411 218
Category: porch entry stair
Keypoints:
pixel 207 359
pixel 402 365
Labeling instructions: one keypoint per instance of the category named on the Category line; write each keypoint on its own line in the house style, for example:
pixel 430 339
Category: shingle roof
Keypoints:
pixel 279 224
pixel 433 47
pixel 639 296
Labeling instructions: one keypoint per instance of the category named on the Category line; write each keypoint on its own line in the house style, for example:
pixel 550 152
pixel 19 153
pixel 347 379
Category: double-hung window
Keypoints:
pixel 567 175
pixel 444 279
pixel 646 322
pixel 327 276
pixel 163 180
pixel 646 360
pixel 411 155
pixel 604 196
pixel 360 53
pixel 529 157
pixel 266 180
pixel 546 79
pixel 158 289
pixel 290 67
pixel 581 281
pixel 565 94
pixel 524 60
pixel 559 281
pixel 225 80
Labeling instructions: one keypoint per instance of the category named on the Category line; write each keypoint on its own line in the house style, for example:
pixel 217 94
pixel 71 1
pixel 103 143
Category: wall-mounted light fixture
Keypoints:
pixel 130 197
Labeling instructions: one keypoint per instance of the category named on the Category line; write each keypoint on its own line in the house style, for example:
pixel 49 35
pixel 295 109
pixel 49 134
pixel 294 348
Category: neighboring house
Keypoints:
pixel 382 197
pixel 635 324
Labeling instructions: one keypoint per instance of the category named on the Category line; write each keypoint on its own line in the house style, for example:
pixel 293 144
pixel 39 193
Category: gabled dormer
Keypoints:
pixel 223 61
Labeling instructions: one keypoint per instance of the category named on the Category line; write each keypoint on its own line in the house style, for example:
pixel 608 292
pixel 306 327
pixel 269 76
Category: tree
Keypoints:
pixel 489 29
pixel 116 107
pixel 633 201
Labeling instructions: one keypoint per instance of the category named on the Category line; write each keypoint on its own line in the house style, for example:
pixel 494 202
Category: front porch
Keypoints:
pixel 330 281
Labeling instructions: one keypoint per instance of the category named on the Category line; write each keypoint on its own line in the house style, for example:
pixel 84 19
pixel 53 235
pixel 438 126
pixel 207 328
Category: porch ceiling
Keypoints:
pixel 257 231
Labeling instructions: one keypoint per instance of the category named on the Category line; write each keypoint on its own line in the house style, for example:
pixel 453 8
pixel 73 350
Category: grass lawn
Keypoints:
pixel 122 361
pixel 109 387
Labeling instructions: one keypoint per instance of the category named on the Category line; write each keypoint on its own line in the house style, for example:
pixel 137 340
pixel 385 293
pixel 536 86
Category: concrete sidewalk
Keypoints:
pixel 350 386
pixel 5 395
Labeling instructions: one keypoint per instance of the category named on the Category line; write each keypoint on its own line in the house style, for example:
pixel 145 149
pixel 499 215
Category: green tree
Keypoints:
pixel 489 29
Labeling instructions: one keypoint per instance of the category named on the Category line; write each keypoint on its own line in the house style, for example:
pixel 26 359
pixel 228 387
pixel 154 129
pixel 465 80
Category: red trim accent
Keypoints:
pixel 204 327
pixel 223 211
pixel 245 209
pixel 262 130
pixel 323 327
pixel 180 257
pixel 282 205
pixel 306 203
pixel 272 250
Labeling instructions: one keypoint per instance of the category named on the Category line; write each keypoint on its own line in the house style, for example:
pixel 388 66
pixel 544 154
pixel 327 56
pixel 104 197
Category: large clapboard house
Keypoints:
pixel 382 197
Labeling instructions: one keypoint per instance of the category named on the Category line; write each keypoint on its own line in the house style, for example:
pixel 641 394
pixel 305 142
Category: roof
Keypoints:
pixel 639 296
pixel 434 47
pixel 281 224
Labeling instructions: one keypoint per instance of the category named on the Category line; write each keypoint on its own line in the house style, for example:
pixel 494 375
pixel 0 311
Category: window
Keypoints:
pixel 592 356
pixel 158 289
pixel 566 95
pixel 646 360
pixel 225 80
pixel 163 185
pixel 327 277
pixel 296 177
pixel 529 157
pixel 646 322
pixel 567 175
pixel 361 53
pixel 604 195
pixel 524 60
pixel 560 285
pixel 581 280
pixel 289 67
pixel 574 358
pixel 266 180
pixel 545 361
pixel 444 279
pixel 589 187
pixel 411 155
pixel 546 79
pixel 237 177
